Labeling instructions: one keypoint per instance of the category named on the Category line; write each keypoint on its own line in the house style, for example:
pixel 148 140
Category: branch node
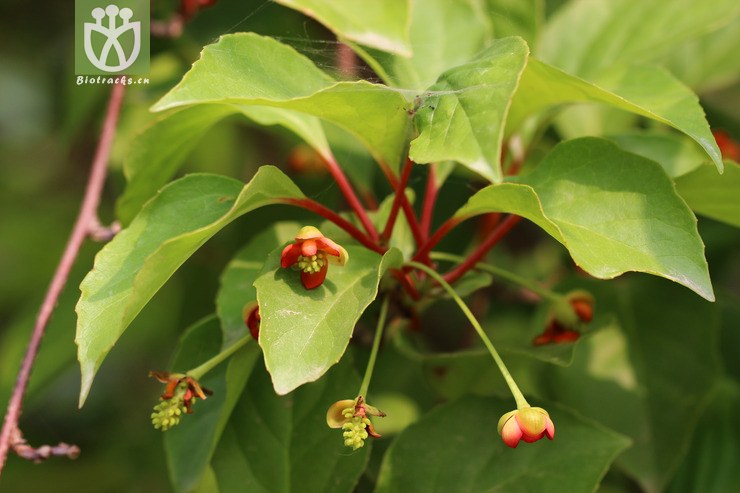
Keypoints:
pixel 39 454
pixel 101 233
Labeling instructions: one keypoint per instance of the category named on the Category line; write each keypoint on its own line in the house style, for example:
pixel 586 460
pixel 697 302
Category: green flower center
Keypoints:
pixel 312 264
pixel 355 433
pixel 167 412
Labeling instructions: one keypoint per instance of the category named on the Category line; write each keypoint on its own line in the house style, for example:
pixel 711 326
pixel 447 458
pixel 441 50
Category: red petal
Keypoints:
pixel 549 428
pixel 583 309
pixel 530 439
pixel 309 248
pixel 511 433
pixel 253 322
pixel 290 255
pixel 314 279
pixel 566 336
pixel 328 246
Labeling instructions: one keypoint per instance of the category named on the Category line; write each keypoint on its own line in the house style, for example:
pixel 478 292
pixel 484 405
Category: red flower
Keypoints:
pixel 528 424
pixel 352 416
pixel 728 147
pixel 311 253
pixel 577 307
pixel 252 318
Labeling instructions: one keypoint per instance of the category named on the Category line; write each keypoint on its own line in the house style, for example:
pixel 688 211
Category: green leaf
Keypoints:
pixel 712 195
pixel 517 18
pixel 645 91
pixel 247 69
pixel 614 212
pixel 677 154
pixel 381 24
pixel 455 448
pixel 236 288
pixel 443 34
pixel 283 443
pixel 587 37
pixel 304 332
pixel 129 270
pixel 158 152
pixel 710 464
pixel 709 62
pixel 188 464
pixel 462 116
pixel 155 154
pixel 652 379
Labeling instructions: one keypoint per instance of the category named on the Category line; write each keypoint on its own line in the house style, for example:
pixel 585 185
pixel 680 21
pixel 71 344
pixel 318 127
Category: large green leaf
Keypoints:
pixel 455 448
pixel 303 333
pixel 247 69
pixel 443 34
pixel 157 153
pixel 709 62
pixel 129 270
pixel 677 154
pixel 188 464
pixel 710 465
pixel 645 91
pixel 236 288
pixel 652 379
pixel 614 211
pixel 462 116
pixel 517 18
pixel 712 195
pixel 381 24
pixel 283 443
pixel 588 36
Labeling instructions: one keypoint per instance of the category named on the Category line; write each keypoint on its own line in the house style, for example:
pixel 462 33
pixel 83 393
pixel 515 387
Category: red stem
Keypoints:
pixel 332 216
pixel 407 284
pixel 400 194
pixel 430 198
pixel 350 196
pixel 86 221
pixel 441 232
pixel 408 211
pixel 499 232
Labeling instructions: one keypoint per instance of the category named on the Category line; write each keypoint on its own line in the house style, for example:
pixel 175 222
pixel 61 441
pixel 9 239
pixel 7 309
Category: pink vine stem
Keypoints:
pixel 85 225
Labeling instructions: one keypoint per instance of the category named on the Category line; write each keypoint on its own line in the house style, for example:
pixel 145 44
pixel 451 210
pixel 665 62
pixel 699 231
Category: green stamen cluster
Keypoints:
pixel 355 433
pixel 312 264
pixel 167 412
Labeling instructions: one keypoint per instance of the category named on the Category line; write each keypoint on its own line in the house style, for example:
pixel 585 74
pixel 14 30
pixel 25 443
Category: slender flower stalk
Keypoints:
pixel 493 238
pixel 350 196
pixel 374 351
pixel 430 198
pixel 332 216
pixel 504 274
pixel 400 194
pixel 521 402
pixel 200 370
pixel 441 232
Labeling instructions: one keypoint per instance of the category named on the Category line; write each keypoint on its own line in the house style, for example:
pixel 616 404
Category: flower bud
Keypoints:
pixel 528 424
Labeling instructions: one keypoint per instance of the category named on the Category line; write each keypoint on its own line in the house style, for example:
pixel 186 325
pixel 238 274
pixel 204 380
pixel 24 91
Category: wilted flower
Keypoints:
pixel 178 398
pixel 576 307
pixel 528 424
pixel 351 416
pixel 311 253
